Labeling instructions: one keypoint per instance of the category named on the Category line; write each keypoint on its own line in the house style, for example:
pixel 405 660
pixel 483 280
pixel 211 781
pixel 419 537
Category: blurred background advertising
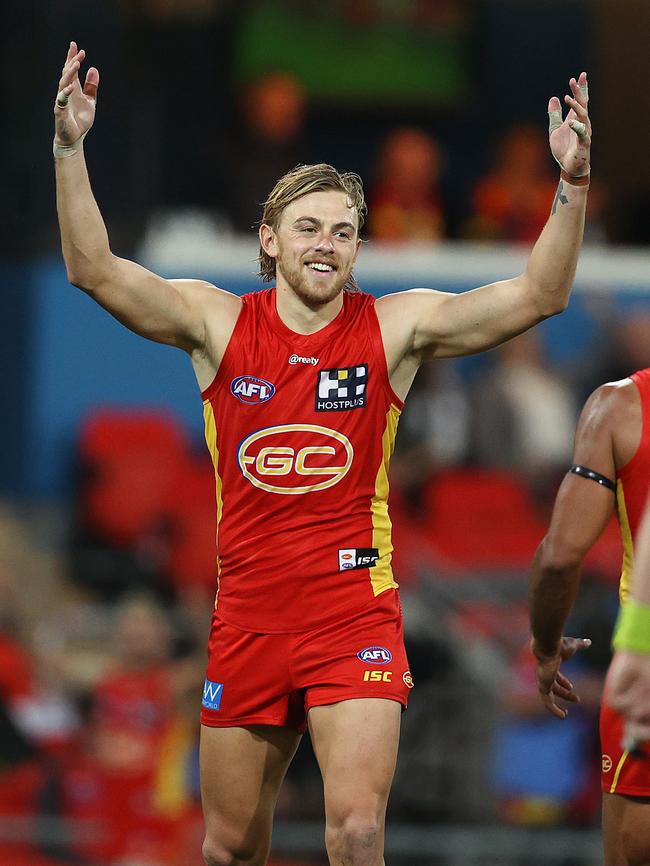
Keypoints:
pixel 107 575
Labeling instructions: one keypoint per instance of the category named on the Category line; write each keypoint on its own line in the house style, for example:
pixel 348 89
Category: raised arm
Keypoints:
pixel 174 312
pixel 584 505
pixel 441 324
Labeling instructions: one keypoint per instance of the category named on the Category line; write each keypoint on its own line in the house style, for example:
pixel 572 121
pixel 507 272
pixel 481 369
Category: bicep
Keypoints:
pixel 448 325
pixel 166 311
pixel 583 506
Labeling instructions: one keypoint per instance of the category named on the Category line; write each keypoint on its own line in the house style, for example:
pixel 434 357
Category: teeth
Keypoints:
pixel 319 266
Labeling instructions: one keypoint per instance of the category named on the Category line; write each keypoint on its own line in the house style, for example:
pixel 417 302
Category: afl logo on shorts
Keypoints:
pixel 375 655
pixel 295 458
pixel 251 390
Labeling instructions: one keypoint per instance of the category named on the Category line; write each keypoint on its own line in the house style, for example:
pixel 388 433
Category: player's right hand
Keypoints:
pixel 76 117
pixel 551 682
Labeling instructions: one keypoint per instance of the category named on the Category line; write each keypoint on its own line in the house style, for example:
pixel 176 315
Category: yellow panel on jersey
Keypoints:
pixel 381 574
pixel 211 439
pixel 628 543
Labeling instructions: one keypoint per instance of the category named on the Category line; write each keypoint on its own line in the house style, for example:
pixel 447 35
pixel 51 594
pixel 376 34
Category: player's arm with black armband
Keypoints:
pixel 167 311
pixel 629 678
pixel 583 506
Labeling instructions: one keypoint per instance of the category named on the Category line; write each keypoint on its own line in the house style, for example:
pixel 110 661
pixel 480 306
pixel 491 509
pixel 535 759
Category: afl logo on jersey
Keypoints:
pixel 295 458
pixel 251 390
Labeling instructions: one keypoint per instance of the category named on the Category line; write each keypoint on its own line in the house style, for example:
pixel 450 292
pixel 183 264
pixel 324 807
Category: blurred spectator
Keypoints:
pixel 513 201
pixel 134 776
pixel 269 143
pixel 525 414
pixel 405 203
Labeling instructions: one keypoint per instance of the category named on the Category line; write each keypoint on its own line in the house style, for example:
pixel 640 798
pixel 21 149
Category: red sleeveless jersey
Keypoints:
pixel 632 483
pixel 301 429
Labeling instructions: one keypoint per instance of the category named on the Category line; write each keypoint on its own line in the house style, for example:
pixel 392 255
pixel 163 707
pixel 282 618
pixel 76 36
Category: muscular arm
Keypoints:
pixel 581 512
pixel 428 324
pixel 175 312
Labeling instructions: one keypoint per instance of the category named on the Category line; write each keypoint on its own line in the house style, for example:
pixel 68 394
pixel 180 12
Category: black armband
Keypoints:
pixel 586 472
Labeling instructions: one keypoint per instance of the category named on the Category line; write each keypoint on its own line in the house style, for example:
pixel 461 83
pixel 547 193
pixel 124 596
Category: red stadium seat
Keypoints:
pixel 478 518
pixel 130 462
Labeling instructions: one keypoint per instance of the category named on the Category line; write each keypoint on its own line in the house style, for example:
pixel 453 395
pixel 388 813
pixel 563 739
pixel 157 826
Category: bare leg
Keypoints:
pixel 241 773
pixel 626 830
pixel 355 742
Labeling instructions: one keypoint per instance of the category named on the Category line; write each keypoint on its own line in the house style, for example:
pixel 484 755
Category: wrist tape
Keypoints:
pixel 60 151
pixel 632 630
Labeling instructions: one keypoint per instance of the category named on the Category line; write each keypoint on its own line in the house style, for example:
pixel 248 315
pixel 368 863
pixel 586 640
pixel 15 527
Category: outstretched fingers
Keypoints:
pixel 91 83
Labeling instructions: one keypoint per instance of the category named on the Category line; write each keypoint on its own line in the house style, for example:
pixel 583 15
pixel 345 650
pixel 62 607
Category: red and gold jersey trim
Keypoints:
pixel 381 574
pixel 627 540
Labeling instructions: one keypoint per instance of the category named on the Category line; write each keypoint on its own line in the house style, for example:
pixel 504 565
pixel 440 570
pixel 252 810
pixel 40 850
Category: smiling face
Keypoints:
pixel 314 246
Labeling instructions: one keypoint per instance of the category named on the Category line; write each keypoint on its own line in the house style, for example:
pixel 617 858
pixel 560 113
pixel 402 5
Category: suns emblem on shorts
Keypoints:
pixel 607 763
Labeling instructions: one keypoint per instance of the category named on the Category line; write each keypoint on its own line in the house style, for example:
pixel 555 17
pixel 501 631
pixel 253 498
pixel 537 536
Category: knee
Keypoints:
pixel 217 853
pixel 357 840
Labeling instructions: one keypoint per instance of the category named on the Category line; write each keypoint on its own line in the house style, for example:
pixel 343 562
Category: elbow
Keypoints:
pixel 558 556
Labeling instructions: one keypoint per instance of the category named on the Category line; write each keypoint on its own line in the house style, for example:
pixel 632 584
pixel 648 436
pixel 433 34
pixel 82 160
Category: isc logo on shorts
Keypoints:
pixel 212 693
pixel 375 655
pixel 295 458
pixel 377 676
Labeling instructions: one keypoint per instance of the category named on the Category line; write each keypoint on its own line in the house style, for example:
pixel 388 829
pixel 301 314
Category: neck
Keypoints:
pixel 302 316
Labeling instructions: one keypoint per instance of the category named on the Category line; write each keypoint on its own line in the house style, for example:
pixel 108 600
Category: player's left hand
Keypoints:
pixel 551 682
pixel 570 139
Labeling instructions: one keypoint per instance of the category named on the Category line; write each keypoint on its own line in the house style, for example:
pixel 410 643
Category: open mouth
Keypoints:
pixel 321 267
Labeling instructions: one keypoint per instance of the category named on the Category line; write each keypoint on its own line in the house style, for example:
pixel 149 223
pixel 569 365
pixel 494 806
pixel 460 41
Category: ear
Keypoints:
pixel 268 240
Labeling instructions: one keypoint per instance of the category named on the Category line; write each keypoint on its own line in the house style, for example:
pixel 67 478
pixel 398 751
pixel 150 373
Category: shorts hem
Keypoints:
pixel 627 791
pixel 245 721
pixel 331 699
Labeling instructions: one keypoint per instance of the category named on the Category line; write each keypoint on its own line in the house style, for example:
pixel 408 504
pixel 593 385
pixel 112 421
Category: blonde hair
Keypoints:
pixel 302 180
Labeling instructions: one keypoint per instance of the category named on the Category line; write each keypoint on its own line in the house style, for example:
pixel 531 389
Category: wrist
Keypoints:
pixel 545 651
pixel 61 151
pixel 575 180
pixel 632 630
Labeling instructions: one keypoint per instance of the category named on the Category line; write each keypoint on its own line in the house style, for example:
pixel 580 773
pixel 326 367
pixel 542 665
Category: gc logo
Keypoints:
pixel 281 459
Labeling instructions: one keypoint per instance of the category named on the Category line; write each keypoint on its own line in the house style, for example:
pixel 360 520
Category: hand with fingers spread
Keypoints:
pixel 551 682
pixel 74 107
pixel 628 692
pixel 570 139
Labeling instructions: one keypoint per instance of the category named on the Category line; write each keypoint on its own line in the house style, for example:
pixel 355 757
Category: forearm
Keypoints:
pixel 552 591
pixel 84 239
pixel 552 264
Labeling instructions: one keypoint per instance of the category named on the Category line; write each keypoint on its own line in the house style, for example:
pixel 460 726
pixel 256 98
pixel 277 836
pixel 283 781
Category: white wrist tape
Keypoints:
pixel 60 151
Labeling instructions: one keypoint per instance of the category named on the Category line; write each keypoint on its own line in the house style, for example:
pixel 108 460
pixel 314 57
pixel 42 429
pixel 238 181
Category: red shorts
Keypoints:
pixel 622 772
pixel 275 679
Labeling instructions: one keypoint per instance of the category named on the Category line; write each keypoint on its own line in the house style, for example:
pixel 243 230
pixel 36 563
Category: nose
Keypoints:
pixel 325 243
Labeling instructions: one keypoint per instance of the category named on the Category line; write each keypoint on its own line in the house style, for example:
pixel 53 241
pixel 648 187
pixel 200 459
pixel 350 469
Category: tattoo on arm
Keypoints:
pixel 559 198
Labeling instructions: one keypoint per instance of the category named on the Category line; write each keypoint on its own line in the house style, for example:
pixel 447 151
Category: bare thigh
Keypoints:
pixel 626 830
pixel 241 773
pixel 356 742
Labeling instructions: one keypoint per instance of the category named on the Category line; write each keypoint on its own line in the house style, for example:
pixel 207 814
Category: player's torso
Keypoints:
pixel 633 478
pixel 301 428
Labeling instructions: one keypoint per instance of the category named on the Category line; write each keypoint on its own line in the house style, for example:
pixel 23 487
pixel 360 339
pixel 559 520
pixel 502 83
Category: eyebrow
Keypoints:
pixel 313 220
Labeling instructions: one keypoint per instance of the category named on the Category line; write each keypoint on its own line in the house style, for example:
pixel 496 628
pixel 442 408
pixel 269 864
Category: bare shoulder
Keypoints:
pixel 611 403
pixel 613 411
pixel 400 313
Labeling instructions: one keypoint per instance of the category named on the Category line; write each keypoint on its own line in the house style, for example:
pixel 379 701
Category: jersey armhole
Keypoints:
pixel 231 347
pixel 380 354
pixel 626 468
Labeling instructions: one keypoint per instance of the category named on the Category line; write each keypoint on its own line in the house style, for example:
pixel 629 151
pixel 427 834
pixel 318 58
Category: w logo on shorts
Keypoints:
pixel 212 695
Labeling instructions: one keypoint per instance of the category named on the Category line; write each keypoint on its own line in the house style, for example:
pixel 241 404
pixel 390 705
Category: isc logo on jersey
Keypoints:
pixel 375 655
pixel 295 458
pixel 251 390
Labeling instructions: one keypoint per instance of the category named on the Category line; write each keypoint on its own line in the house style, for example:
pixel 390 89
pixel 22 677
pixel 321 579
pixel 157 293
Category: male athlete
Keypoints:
pixel 611 469
pixel 302 387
